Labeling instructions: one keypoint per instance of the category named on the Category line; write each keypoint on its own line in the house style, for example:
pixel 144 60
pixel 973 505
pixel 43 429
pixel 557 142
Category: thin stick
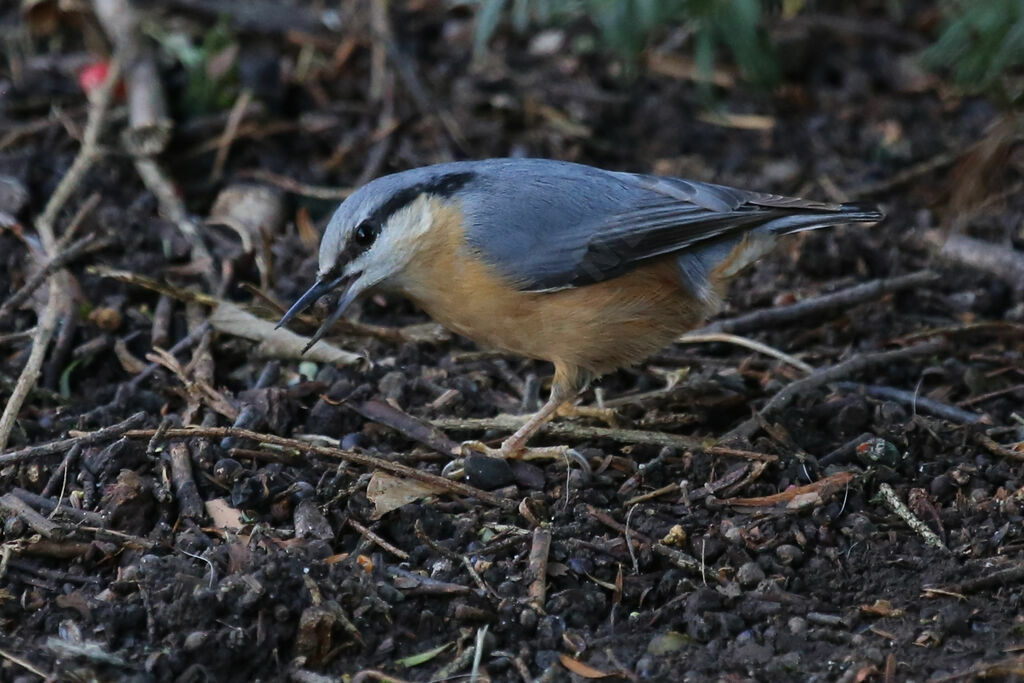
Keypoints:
pixel 373 536
pixel 570 430
pixel 538 564
pixel 770 318
pixel 335 453
pixel 47 325
pixel 287 184
pixel 25 664
pixel 918 402
pixel 61 445
pixel 190 505
pixel 857 364
pixel 752 344
pixel 53 265
pixel 230 132
pixel 893 502
pixel 47 527
pixel 1001 260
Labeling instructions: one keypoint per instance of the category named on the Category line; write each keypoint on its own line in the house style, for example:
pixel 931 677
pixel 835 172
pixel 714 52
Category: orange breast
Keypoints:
pixel 598 328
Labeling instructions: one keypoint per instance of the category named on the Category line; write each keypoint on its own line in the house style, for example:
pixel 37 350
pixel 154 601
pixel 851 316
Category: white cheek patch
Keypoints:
pixel 397 242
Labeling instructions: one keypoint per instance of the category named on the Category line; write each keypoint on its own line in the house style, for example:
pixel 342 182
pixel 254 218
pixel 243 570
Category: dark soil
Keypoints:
pixel 138 576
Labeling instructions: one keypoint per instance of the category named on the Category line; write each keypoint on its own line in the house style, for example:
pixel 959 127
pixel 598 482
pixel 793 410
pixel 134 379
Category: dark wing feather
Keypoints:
pixel 549 225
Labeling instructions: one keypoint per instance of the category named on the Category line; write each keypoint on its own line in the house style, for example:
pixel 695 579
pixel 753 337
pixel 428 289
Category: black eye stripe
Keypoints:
pixel 444 186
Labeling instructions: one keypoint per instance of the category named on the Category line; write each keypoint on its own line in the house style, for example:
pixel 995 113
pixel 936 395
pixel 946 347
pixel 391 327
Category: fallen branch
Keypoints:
pixel 570 430
pixel 917 402
pixel 852 366
pixel 893 502
pixel 538 567
pixel 362 459
pixel 41 525
pixel 47 325
pixel 1002 261
pixel 78 248
pixel 752 344
pixel 798 496
pixel 769 318
pixel 61 445
pixel 412 427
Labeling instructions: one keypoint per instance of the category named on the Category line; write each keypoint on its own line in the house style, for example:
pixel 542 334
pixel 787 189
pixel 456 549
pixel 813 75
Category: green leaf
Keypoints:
pixel 423 657
pixel 65 378
pixel 487 19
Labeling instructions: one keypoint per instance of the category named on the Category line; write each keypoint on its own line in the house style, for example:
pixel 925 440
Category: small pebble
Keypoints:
pixel 749 575
pixel 487 473
pixel 789 555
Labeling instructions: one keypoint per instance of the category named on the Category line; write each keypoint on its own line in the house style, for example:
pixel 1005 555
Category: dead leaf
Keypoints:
pixel 738 121
pixel 388 492
pixel 820 490
pixel 585 670
pixel 881 608
pixel 223 515
pixel 129 363
pixel 275 343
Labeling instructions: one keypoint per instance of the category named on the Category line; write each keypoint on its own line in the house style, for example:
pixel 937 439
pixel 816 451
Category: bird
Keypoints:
pixel 590 269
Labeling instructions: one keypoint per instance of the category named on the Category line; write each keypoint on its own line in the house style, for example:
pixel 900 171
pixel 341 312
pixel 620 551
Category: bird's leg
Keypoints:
pixel 514 445
pixel 564 388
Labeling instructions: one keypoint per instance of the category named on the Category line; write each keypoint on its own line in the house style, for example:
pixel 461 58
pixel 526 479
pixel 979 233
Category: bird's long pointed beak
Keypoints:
pixel 319 289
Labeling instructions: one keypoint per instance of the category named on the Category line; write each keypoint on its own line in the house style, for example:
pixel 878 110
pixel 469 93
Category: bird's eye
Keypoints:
pixel 365 233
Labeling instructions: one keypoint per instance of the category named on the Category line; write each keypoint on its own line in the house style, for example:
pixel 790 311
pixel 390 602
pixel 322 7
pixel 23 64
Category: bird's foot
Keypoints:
pixel 512 452
pixel 606 415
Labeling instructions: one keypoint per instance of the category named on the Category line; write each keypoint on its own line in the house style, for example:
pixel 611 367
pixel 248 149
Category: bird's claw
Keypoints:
pixel 564 453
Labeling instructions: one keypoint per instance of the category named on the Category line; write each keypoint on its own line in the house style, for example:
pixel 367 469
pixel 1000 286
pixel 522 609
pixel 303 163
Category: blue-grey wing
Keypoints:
pixel 549 225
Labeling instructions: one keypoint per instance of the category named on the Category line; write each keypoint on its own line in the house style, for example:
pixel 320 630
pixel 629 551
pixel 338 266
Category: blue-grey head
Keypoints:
pixel 373 234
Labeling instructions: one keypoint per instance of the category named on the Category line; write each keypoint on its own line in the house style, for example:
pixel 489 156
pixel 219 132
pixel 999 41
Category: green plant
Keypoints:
pixel 626 26
pixel 982 44
pixel 210 66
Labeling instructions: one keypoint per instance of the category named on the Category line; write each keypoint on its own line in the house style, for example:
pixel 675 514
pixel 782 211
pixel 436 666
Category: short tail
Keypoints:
pixel 812 220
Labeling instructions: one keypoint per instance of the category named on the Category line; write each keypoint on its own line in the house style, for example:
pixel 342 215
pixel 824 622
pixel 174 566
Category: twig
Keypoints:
pixel 230 131
pixel 771 318
pixel 1003 261
pixel 295 187
pixel 455 557
pixel 61 445
pixel 65 257
pixel 25 664
pixel 335 453
pixel 1003 577
pixel 59 475
pixel 380 34
pixel 570 430
pixel 857 364
pixel 752 344
pixel 412 427
pixel 190 505
pixel 981 398
pixel 49 506
pixel 47 527
pixel 538 567
pixel 893 502
pixel 173 209
pixel 47 324
pixel 371 535
pixel 651 495
pixel 999 449
pixel 918 402
pixel 677 557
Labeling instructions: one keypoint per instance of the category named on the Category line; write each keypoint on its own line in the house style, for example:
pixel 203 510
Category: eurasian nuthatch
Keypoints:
pixel 592 270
